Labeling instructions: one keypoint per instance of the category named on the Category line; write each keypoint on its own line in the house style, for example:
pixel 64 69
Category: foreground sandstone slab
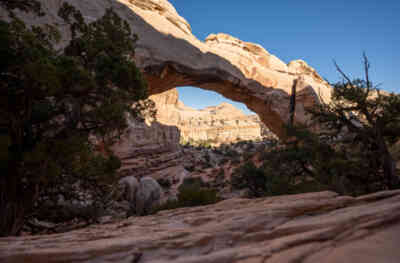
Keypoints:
pixel 315 227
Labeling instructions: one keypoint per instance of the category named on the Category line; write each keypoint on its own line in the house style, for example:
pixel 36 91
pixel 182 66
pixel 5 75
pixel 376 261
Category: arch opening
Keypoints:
pixel 207 118
pixel 270 104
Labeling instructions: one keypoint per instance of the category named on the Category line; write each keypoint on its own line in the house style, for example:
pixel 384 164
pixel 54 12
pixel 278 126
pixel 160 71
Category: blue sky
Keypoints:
pixel 315 31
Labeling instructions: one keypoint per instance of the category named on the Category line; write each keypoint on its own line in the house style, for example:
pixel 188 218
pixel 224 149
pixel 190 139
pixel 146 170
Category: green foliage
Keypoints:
pixel 271 180
pixel 349 153
pixel 164 182
pixel 220 178
pixel 199 143
pixel 359 125
pixel 56 108
pixel 251 177
pixel 23 5
pixel 191 193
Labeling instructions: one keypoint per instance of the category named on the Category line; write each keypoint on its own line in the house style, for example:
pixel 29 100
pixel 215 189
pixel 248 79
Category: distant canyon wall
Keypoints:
pixel 216 124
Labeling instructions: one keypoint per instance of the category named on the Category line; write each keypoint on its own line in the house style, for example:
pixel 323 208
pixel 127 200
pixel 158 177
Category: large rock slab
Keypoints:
pixel 314 227
pixel 170 56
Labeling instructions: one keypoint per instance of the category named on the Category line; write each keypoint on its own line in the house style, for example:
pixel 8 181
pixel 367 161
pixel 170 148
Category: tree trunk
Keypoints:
pixel 292 107
pixel 389 170
pixel 389 165
pixel 11 205
pixel 16 200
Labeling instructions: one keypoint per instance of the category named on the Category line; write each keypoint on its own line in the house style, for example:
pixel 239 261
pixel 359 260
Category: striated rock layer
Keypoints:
pixel 171 56
pixel 307 228
pixel 216 124
pixel 149 148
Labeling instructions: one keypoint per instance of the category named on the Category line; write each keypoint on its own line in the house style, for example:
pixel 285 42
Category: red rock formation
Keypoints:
pixel 170 56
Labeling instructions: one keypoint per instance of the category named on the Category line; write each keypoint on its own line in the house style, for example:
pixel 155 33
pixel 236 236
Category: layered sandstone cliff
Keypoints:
pixel 149 148
pixel 216 124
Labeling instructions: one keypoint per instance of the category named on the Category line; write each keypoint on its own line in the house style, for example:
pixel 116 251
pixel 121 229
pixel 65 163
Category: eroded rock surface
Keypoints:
pixel 223 123
pixel 307 228
pixel 149 148
pixel 170 56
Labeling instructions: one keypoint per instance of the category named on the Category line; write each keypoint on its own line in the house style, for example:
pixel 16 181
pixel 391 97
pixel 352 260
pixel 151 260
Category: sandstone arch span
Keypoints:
pixel 171 56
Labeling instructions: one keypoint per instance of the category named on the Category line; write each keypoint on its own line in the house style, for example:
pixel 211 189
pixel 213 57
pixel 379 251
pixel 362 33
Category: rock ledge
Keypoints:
pixel 314 227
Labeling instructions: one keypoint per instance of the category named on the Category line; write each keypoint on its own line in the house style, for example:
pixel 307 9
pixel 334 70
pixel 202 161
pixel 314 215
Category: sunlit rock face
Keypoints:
pixel 215 124
pixel 309 228
pixel 171 56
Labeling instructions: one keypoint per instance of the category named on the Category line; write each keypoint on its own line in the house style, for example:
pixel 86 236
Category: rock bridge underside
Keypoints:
pixel 171 56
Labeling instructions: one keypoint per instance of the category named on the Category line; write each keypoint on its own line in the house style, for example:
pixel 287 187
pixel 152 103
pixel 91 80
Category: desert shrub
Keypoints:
pixel 190 168
pixel 247 156
pixel 207 158
pixel 251 177
pixel 62 213
pixel 236 159
pixel 250 145
pixel 223 161
pixel 164 182
pixel 267 180
pixel 217 151
pixel 191 193
pixel 231 153
pixel 219 180
pixel 192 181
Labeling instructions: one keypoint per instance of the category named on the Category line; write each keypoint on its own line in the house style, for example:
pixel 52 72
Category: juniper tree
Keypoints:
pixel 348 153
pixel 366 122
pixel 56 106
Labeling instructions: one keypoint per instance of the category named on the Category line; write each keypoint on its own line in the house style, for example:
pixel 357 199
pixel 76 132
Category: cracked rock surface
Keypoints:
pixel 314 227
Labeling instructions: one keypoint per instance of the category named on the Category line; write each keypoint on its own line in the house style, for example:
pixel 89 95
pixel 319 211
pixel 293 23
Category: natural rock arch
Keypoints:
pixel 171 56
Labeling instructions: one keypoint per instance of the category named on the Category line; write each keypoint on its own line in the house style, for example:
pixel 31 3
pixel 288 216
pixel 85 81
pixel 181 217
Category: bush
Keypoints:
pixel 191 193
pixel 223 161
pixel 270 181
pixel 194 195
pixel 164 182
pixel 251 177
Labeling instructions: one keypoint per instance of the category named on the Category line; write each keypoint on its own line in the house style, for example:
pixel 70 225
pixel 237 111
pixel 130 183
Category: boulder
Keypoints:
pixel 128 187
pixel 148 195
